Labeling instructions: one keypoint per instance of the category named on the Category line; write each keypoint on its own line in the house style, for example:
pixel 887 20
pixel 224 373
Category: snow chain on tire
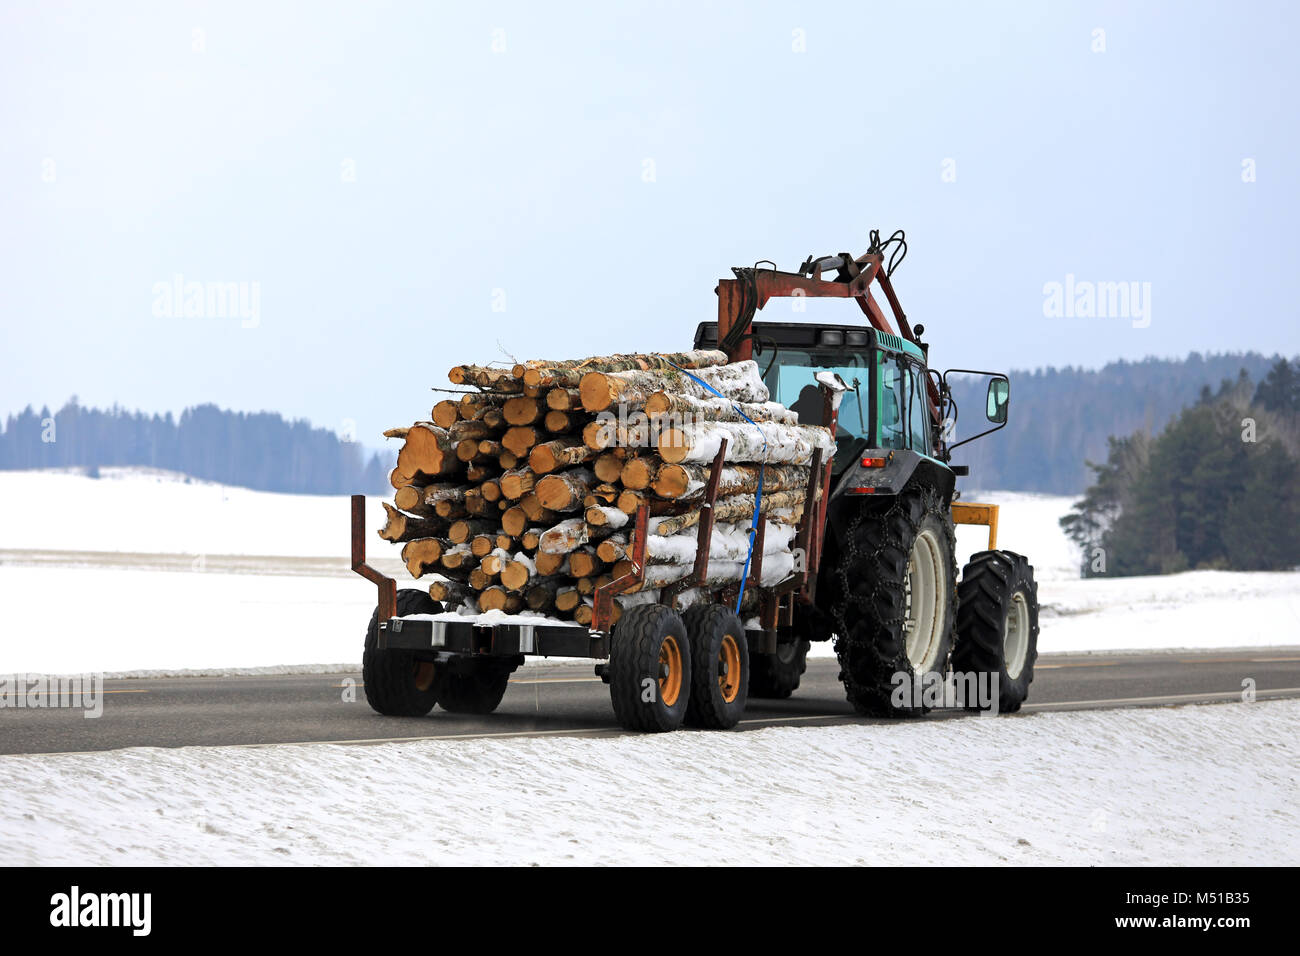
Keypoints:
pixel 869 596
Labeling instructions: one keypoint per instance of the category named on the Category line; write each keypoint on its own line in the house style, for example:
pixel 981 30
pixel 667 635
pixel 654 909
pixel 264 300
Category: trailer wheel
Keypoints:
pixel 649 669
pixel 997 625
pixel 777 675
pixel 396 682
pixel 719 666
pixel 477 689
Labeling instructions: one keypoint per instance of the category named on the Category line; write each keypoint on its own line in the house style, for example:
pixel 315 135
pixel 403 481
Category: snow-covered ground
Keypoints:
pixel 179 575
pixel 1210 785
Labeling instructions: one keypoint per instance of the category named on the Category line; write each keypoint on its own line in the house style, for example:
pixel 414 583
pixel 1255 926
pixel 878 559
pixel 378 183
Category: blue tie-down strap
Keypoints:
pixel 758 494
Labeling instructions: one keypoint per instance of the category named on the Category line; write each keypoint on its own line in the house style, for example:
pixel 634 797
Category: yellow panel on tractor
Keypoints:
pixel 970 513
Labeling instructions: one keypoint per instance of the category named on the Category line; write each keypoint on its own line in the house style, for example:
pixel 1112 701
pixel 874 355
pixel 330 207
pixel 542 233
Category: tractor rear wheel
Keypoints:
pixel 397 683
pixel 720 673
pixel 477 688
pixel 894 601
pixel 997 626
pixel 649 669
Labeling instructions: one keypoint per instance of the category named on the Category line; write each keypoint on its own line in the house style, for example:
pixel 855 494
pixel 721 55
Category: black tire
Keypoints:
pixel 870 599
pixel 991 585
pixel 636 687
pixel 776 676
pixel 476 688
pixel 396 682
pixel 720 672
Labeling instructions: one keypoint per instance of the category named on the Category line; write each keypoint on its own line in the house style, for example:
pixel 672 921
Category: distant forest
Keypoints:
pixel 258 450
pixel 1060 419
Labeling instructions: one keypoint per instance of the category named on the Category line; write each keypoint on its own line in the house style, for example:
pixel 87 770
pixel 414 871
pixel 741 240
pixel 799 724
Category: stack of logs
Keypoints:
pixel 520 495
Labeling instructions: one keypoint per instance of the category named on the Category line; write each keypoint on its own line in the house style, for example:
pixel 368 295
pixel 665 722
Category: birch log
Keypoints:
pixel 739 381
pixel 790 444
pixel 714 409
pixel 688 480
pixel 567 374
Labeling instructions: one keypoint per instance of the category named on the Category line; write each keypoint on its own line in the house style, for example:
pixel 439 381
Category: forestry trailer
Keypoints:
pixel 875 566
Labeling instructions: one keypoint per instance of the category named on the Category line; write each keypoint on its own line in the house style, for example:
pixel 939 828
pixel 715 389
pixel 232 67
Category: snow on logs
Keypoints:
pixel 521 492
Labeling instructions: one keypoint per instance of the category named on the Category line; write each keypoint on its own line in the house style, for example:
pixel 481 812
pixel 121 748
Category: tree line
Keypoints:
pixel 1061 418
pixel 1216 489
pixel 259 450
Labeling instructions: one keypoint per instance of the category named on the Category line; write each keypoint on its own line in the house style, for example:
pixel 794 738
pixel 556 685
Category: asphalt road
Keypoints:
pixel 566 699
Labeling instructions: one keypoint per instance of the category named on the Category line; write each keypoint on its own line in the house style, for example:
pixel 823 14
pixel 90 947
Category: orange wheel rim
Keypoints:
pixel 729 668
pixel 423 675
pixel 670 671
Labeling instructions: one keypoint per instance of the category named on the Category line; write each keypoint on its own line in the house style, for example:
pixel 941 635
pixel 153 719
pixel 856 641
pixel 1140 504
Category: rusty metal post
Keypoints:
pixel 387 586
pixel 602 609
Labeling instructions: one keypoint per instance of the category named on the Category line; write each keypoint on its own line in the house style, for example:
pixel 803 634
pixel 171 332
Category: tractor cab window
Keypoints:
pixel 893 404
pixel 904 412
pixel 791 380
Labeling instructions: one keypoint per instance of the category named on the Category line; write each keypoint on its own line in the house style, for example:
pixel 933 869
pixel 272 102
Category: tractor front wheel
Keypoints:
pixel 997 629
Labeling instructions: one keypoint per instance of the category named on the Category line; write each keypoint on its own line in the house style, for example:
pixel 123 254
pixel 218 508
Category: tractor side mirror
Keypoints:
pixel 999 397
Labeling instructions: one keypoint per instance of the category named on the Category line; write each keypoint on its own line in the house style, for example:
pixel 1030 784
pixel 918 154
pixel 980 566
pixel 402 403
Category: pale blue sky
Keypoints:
pixel 128 156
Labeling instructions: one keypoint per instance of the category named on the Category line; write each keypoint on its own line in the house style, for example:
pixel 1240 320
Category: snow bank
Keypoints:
pixel 195 583
pixel 147 510
pixel 1210 785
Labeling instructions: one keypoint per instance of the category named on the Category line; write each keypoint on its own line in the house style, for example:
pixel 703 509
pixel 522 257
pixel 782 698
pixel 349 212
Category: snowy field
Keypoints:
pixel 1210 785
pixel 187 576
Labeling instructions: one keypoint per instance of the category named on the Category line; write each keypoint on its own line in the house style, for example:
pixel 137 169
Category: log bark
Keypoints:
pixel 686 481
pixel 461 531
pixel 778 506
pixel 689 408
pixel 789 444
pixel 567 374
pixel 403 527
pixel 739 382
pixel 540 595
pixel 424 500
pixel 480 376
pixel 570 534
pixel 603 516
pixel 564 400
pixel 559 453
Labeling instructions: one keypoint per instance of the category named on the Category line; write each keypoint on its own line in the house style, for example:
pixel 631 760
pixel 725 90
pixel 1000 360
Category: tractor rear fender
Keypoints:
pixel 887 472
